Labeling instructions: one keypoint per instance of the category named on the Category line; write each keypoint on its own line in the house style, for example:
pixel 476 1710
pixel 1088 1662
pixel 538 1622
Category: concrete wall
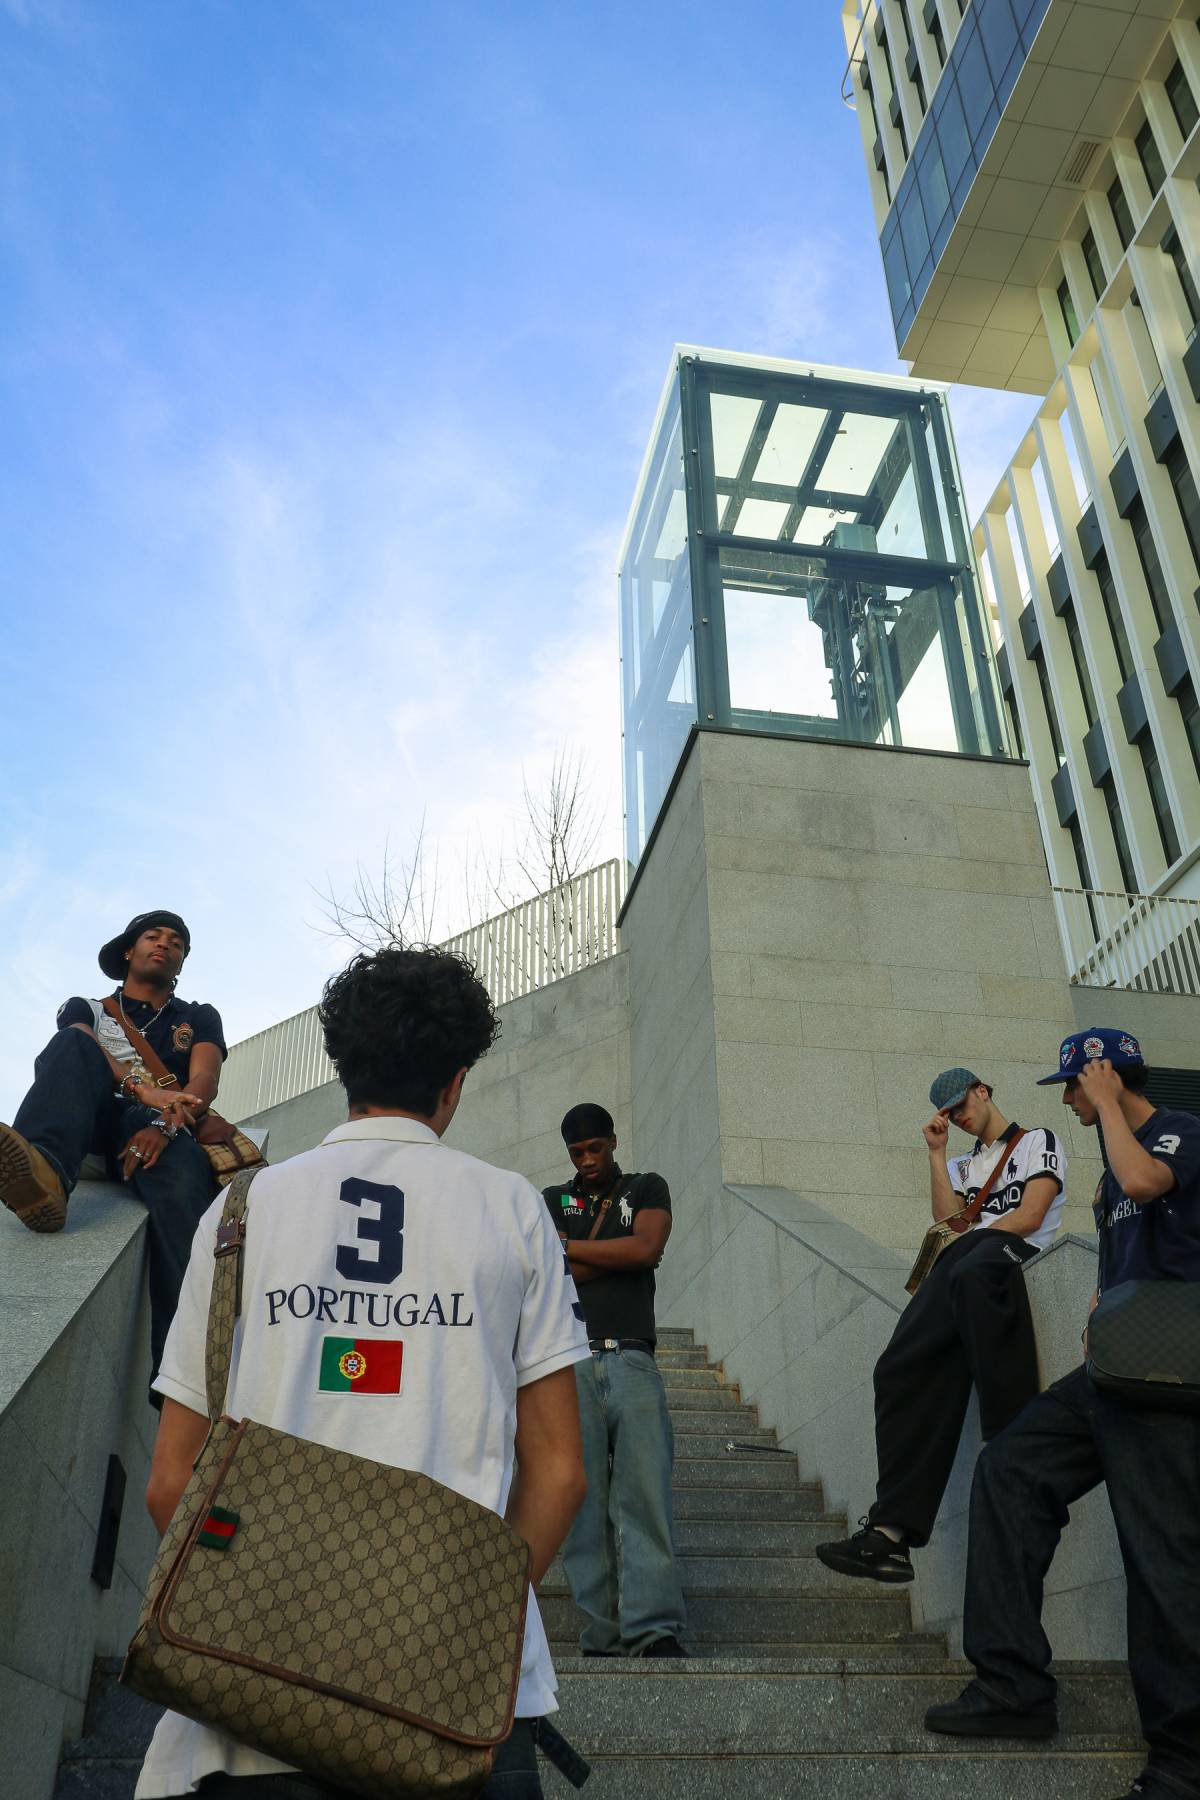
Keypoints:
pixel 1166 1025
pixel 799 1305
pixel 74 1368
pixel 565 1043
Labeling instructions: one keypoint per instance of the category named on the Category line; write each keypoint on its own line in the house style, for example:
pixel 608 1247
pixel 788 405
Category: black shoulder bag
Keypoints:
pixel 1144 1344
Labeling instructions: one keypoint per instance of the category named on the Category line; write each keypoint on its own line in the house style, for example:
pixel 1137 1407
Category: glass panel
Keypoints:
pixel 1120 838
pixel 1067 308
pixel 935 190
pixel 998 29
pixel 974 80
pixel 1095 267
pixel 1122 217
pixel 733 419
pixel 1148 156
pixel 914 230
pixel 1179 94
pixel 952 131
pixel 658 685
pixel 857 451
pixel 1168 837
pixel 760 518
pixel 789 444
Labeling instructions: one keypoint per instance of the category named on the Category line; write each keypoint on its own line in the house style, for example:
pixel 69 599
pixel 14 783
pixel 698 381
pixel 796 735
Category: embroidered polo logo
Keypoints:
pixel 182 1037
pixel 217 1531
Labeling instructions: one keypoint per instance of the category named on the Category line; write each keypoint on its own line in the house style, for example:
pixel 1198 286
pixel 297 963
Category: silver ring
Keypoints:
pixel 140 1154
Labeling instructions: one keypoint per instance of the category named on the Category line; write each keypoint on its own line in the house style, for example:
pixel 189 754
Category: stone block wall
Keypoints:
pixel 75 1331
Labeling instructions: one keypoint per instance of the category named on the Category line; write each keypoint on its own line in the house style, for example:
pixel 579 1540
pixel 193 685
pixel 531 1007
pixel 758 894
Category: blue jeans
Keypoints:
pixel 1062 1446
pixel 619 1555
pixel 71 1112
pixel 514 1776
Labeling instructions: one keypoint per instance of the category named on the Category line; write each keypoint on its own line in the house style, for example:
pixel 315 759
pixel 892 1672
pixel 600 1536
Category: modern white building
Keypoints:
pixel 1034 170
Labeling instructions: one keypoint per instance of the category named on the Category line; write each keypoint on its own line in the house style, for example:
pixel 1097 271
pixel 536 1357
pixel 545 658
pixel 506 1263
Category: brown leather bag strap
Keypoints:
pixel 225 1303
pixel 971 1212
pixel 148 1057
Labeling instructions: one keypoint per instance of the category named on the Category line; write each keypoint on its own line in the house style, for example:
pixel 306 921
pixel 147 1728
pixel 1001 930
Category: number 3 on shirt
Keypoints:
pixel 379 1230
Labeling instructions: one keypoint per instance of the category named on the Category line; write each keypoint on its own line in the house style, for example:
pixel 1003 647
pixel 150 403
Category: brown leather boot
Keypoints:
pixel 29 1185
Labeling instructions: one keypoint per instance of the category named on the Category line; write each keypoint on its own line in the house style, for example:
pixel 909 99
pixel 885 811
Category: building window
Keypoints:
pixel 1186 497
pixel 1179 94
pixel 1015 717
pixel 1112 612
pixel 1067 308
pixel 1173 250
pixel 1189 708
pixel 1122 217
pixel 1148 156
pixel 1085 873
pixel 1039 663
pixel 1167 835
pixel 1081 668
pixel 1121 842
pixel 939 40
pixel 1095 267
pixel 1147 549
pixel 920 87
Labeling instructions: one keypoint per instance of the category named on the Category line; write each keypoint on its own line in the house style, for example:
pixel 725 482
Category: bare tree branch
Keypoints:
pixel 396 907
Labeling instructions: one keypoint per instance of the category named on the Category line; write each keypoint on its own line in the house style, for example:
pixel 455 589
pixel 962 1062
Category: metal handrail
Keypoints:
pixel 1148 942
pixel 532 944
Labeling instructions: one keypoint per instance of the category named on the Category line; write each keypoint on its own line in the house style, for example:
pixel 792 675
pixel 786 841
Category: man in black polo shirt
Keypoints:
pixel 92 1095
pixel 1073 1436
pixel 619 1556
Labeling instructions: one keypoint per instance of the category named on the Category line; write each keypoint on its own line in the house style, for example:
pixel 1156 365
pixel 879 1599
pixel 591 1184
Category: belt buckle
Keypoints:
pixel 610 1343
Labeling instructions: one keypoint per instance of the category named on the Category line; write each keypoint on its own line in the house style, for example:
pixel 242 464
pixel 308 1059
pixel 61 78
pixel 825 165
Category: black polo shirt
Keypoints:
pixel 620 1304
pixel 179 1025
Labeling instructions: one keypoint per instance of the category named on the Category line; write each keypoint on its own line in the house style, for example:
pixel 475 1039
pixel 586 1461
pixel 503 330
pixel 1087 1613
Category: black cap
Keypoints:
pixel 112 957
pixel 587 1121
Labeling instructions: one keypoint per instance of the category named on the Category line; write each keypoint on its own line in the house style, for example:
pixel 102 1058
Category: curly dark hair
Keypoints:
pixel 399 1024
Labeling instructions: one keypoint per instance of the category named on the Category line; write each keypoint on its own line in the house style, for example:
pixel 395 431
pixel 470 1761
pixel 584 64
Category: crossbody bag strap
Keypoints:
pixel 225 1303
pixel 602 1211
pixel 971 1212
pixel 151 1060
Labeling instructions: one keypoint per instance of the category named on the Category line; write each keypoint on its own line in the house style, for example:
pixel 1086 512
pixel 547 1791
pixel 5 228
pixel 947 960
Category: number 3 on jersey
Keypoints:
pixel 378 1252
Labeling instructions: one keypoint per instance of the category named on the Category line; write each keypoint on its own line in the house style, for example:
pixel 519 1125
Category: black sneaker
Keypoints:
pixel 870 1553
pixel 1149 1787
pixel 665 1646
pixel 976 1714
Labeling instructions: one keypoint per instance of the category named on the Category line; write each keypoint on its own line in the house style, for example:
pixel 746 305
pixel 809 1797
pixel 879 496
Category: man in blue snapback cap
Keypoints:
pixel 1072 1437
pixel 967 1325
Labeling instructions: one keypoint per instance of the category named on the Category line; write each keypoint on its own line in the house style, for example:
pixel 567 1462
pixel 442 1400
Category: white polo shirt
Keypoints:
pixel 395 1295
pixel 1038 1153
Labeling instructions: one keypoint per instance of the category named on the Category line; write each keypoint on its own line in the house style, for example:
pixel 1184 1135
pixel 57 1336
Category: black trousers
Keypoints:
pixel 514 1777
pixel 1069 1440
pixel 967 1325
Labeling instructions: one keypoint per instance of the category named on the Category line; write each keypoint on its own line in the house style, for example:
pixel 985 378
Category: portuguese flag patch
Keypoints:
pixel 361 1365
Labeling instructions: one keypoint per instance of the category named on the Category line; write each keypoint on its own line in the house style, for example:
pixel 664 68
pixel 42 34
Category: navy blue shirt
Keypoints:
pixel 1159 1240
pixel 179 1025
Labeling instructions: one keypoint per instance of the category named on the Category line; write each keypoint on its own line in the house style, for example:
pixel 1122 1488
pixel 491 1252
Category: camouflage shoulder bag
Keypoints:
pixel 359 1622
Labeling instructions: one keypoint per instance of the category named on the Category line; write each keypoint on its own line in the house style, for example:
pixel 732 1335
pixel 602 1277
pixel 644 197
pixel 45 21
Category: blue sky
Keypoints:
pixel 331 337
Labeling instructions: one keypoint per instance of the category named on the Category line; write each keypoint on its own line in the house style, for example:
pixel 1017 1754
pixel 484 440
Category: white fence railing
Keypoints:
pixel 1130 940
pixel 531 945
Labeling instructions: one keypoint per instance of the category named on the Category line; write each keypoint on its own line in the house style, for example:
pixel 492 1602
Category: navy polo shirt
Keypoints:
pixel 1159 1240
pixel 179 1025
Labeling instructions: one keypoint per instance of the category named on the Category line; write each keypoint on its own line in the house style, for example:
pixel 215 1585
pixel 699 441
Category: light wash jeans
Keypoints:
pixel 620 1556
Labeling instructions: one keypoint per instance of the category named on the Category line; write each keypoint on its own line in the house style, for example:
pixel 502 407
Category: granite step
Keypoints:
pixel 740 1469
pixel 751 1617
pixel 737 1504
pixel 756 1572
pixel 974 1774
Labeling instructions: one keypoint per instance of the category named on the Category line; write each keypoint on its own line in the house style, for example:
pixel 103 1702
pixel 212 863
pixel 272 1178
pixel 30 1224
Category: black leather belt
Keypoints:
pixel 621 1344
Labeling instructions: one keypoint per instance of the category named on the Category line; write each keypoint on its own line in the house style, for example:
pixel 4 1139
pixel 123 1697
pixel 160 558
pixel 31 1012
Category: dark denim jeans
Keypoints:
pixel 1064 1444
pixel 620 1555
pixel 71 1112
pixel 514 1777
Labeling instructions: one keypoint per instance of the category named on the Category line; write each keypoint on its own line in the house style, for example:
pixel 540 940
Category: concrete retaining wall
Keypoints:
pixel 564 1043
pixel 74 1369
pixel 798 1305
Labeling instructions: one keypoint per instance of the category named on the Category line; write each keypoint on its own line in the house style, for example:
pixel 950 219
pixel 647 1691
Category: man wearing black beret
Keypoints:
pixel 92 1095
pixel 620 1554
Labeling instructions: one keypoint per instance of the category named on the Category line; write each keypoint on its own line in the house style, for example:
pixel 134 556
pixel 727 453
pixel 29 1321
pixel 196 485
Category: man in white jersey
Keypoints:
pixel 401 1301
pixel 968 1324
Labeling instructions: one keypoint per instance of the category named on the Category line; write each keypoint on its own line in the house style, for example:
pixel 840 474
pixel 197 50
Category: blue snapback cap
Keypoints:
pixel 1120 1048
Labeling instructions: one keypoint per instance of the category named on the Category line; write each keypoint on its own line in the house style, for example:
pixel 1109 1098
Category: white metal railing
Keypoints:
pixel 531 945
pixel 1141 941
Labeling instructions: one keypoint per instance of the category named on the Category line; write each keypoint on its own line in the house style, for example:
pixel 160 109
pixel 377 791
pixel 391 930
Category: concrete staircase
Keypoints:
pixel 801 1683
